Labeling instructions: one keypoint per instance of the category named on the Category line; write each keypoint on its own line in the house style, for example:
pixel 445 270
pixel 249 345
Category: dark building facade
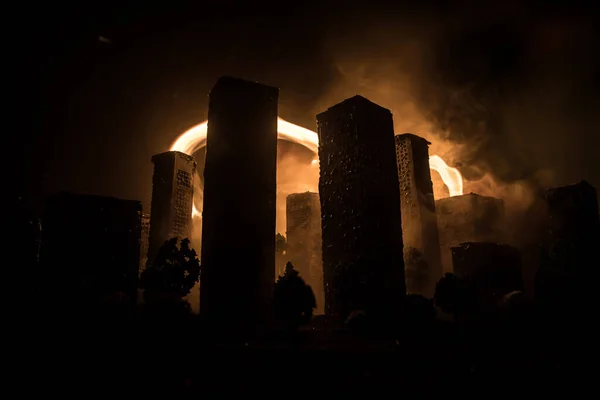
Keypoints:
pixel 238 219
pixel 363 266
pixel 492 270
pixel 573 213
pixel 570 256
pixel 91 247
pixel 172 199
pixel 419 221
pixel 469 218
pixel 303 230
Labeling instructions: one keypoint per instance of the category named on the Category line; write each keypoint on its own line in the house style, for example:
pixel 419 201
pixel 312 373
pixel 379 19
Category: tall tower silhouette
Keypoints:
pixel 238 232
pixel 419 221
pixel 360 208
pixel 566 278
pixel 172 199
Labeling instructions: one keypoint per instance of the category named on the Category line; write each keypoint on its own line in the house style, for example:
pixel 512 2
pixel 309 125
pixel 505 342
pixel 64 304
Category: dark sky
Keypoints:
pixel 515 85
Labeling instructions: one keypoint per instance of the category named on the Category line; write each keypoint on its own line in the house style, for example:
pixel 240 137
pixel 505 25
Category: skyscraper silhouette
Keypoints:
pixel 573 213
pixel 145 241
pixel 360 208
pixel 172 199
pixel 568 274
pixel 419 221
pixel 238 233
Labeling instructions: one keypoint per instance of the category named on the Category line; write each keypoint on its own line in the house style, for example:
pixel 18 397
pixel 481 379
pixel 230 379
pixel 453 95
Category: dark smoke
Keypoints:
pixel 506 91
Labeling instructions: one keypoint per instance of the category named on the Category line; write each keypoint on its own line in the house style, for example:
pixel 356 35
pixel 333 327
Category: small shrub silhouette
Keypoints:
pixel 294 300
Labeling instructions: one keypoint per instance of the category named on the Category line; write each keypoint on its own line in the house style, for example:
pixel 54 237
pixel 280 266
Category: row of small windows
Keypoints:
pixel 183 178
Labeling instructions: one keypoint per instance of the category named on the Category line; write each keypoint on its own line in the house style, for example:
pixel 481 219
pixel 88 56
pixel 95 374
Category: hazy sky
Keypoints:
pixel 508 92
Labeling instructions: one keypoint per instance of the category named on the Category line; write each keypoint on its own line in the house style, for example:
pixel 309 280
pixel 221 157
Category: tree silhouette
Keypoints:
pixel 173 272
pixel 294 300
pixel 280 244
pixel 445 293
pixel 418 308
pixel 453 294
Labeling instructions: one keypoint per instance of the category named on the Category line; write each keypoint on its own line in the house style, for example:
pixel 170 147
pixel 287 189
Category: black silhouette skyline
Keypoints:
pixel 505 81
pixel 380 280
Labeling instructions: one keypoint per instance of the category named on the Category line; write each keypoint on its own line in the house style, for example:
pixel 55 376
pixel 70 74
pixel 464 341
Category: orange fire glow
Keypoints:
pixel 194 139
pixel 451 176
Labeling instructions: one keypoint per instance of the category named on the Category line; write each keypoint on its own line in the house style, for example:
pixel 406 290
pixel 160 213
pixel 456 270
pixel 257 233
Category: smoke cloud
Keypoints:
pixel 504 96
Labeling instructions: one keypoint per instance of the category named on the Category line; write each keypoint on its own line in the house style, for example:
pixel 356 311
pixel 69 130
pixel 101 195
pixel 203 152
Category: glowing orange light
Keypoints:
pixel 194 139
pixel 451 176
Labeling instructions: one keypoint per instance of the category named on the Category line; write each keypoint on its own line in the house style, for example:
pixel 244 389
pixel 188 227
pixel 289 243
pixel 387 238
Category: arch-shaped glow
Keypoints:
pixel 194 139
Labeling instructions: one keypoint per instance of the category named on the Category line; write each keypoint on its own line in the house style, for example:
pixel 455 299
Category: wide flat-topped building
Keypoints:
pixel 90 247
pixel 360 209
pixel 469 218
pixel 419 221
pixel 238 227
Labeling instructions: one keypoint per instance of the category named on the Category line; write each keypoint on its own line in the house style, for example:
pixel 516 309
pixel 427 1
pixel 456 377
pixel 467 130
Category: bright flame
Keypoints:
pixel 196 213
pixel 451 176
pixel 194 139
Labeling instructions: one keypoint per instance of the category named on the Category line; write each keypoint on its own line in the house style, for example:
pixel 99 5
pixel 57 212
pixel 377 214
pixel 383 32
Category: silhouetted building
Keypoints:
pixel 90 247
pixel 360 209
pixel 568 271
pixel 492 270
pixel 468 218
pixel 303 219
pixel 144 241
pixel 172 199
pixel 573 212
pixel 238 226
pixel 419 221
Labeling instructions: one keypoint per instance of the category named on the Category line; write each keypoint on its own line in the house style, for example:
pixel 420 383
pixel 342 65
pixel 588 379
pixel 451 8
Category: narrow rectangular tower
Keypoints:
pixel 567 276
pixel 238 231
pixel 303 219
pixel 145 241
pixel 419 222
pixel 172 199
pixel 360 208
pixel 573 213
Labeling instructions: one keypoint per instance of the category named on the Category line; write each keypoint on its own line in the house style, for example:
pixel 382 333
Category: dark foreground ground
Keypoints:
pixel 180 360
